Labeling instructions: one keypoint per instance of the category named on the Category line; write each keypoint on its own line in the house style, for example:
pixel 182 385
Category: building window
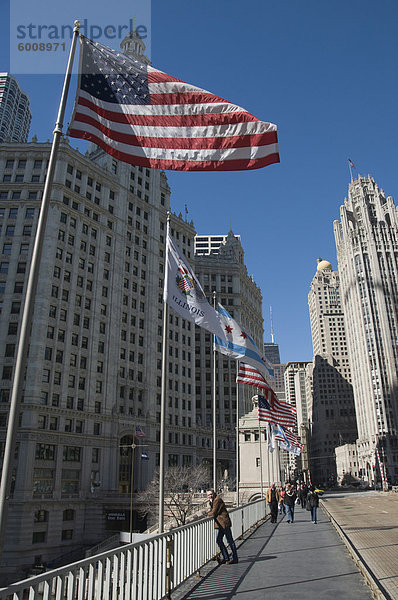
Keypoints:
pixel 39 537
pixel 70 482
pixel 67 534
pixel 40 516
pixel 72 454
pixel 45 452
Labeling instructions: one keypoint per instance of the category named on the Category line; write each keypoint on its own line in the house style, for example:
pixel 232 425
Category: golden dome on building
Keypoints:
pixel 323 265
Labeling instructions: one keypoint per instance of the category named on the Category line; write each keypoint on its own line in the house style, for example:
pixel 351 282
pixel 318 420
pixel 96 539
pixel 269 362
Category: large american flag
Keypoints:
pixel 276 411
pixel 144 117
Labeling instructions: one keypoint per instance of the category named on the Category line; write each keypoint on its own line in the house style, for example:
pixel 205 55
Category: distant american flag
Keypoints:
pixel 144 117
pixel 279 413
pixel 139 432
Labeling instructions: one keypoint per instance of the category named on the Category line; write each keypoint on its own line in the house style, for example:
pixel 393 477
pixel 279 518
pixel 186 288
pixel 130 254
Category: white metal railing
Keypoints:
pixel 147 570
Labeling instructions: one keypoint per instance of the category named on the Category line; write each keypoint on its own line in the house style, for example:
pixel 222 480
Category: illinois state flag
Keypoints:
pixel 237 343
pixel 183 292
pixel 145 117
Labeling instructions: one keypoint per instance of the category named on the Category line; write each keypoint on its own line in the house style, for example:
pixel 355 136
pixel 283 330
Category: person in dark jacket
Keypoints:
pixel 289 500
pixel 303 491
pixel 273 498
pixel 222 522
pixel 312 503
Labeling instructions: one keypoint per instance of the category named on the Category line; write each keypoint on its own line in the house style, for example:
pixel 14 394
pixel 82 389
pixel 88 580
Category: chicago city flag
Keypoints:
pixel 236 343
pixel 287 440
pixel 144 117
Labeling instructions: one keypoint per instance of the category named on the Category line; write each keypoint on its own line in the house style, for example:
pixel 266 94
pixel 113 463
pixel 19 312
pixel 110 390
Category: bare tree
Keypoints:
pixel 180 485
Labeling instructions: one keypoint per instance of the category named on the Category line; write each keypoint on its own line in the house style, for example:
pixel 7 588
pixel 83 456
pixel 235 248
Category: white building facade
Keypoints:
pixel 332 412
pixel 367 251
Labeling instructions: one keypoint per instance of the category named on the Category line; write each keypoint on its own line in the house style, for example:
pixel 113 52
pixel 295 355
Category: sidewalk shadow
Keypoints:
pixel 222 582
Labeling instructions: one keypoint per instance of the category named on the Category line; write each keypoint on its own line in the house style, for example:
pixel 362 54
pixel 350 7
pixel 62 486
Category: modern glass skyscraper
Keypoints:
pixel 367 251
pixel 15 114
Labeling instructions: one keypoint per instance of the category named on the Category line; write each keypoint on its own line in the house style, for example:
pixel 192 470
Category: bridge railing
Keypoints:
pixel 147 570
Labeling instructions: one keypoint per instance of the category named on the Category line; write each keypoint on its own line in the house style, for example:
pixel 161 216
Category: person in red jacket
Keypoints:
pixel 222 522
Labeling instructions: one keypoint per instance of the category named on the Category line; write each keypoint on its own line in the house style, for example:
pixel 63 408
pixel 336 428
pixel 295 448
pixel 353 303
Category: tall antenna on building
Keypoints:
pixel 272 325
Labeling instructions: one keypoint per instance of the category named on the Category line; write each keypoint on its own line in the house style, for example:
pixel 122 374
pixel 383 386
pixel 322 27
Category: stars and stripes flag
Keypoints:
pixel 275 411
pixel 145 117
pixel 351 163
pixel 237 343
pixel 139 432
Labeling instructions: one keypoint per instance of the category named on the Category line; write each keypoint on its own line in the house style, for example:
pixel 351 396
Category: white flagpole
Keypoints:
pixel 26 321
pixel 237 438
pixel 163 391
pixel 268 468
pixel 270 463
pixel 261 462
pixel 214 406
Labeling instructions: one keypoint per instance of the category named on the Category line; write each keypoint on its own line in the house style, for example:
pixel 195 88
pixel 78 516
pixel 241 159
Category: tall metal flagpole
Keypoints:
pixel 214 407
pixel 26 321
pixel 261 461
pixel 268 466
pixel 237 437
pixel 163 394
pixel 270 462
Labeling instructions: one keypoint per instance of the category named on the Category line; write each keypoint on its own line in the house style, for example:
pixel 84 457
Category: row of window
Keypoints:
pixel 21 164
pixel 10 232
pixel 13 212
pixel 41 516
pixel 70 453
pixel 20 179
pixel 40 537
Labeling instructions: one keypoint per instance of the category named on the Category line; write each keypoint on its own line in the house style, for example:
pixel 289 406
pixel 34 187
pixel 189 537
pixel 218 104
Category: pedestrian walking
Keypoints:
pixel 273 498
pixel 303 491
pixel 281 503
pixel 222 523
pixel 312 503
pixel 289 500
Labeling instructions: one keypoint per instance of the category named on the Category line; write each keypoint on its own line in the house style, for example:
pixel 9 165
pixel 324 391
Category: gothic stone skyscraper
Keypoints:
pixel 332 412
pixel 367 252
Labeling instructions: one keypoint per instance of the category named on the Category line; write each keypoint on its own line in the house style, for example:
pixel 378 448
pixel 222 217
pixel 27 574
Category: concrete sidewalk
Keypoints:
pixel 369 523
pixel 299 561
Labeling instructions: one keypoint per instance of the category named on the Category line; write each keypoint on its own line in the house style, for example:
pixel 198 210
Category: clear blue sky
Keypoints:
pixel 326 73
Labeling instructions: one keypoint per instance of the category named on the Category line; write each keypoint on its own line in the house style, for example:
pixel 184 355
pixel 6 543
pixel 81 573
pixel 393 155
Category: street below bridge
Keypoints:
pixel 355 559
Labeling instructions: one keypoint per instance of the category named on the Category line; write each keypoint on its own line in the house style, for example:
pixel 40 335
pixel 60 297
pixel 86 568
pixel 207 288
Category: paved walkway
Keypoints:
pixel 295 561
pixel 370 522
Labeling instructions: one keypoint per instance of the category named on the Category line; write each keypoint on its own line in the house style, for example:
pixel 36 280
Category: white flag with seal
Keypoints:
pixel 183 292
